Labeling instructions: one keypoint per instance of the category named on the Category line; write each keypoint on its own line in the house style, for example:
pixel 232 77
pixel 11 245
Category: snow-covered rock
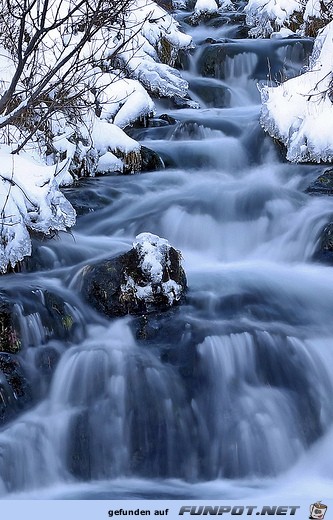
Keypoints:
pixel 299 112
pixel 148 278
pixel 267 17
pixel 205 6
pixel 30 201
pixel 79 121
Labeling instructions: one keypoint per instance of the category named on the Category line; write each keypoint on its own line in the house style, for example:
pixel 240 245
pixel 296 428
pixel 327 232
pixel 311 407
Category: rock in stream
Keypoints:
pixel 148 278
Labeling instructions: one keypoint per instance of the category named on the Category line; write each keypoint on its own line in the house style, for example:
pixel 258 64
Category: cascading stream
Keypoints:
pixel 233 386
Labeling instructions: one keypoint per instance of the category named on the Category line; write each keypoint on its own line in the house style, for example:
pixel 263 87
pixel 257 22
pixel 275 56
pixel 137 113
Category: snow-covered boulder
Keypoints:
pixel 205 6
pixel 57 130
pixel 31 201
pixel 150 53
pixel 299 112
pixel 148 278
pixel 267 17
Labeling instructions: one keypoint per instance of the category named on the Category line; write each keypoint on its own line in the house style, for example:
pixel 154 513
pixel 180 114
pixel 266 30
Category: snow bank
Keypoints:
pixel 108 138
pixel 30 201
pixel 267 17
pixel 299 112
pixel 205 7
pixel 78 122
pixel 150 53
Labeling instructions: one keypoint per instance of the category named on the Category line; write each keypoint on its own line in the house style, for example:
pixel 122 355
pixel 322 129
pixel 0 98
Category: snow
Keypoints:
pixel 152 250
pixel 153 253
pixel 282 33
pixel 299 112
pixel 226 5
pixel 108 162
pixel 31 201
pixel 150 54
pixel 123 100
pixel 312 9
pixel 110 87
pixel 205 6
pixel 106 136
pixel 268 16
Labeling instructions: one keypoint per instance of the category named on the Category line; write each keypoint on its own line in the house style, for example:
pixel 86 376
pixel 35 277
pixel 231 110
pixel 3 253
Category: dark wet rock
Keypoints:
pixel 197 18
pixel 211 41
pixel 15 392
pixel 323 185
pixel 186 102
pixel 213 95
pixel 60 317
pixel 166 4
pixel 168 119
pixel 148 278
pixel 324 252
pixel 182 61
pixel 241 32
pixel 151 161
pixel 46 360
pixel 160 126
pixel 9 329
pixel 232 20
pixel 78 451
pixel 149 122
pixel 214 58
pixel 86 196
pixel 327 238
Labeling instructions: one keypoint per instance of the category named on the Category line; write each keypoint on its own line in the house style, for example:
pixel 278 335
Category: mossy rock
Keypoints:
pixel 323 185
pixel 57 319
pixel 15 391
pixel 46 360
pixel 9 330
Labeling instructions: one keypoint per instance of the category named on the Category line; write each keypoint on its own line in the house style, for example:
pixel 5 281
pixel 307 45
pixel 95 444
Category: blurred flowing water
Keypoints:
pixel 230 394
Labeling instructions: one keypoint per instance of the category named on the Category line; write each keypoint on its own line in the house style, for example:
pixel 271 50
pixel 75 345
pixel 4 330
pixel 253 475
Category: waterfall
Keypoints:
pixel 234 386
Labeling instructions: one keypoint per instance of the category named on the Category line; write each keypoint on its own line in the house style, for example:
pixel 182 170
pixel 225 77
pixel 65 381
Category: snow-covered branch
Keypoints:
pixel 72 76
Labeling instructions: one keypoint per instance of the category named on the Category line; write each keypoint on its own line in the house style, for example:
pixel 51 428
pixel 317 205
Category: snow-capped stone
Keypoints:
pixel 268 16
pixel 205 6
pixel 148 278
